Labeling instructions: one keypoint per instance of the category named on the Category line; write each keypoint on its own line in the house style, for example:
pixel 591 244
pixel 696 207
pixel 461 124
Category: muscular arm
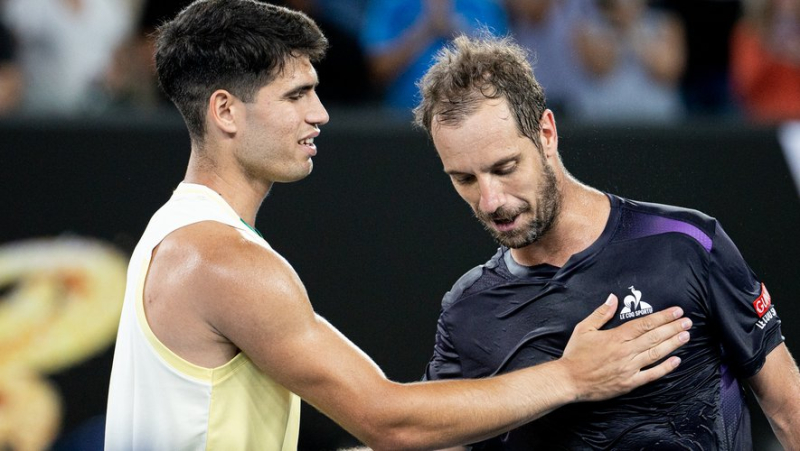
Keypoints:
pixel 252 297
pixel 777 388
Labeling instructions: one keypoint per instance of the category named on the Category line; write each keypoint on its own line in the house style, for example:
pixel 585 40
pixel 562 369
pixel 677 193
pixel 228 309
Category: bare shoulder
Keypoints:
pixel 215 263
pixel 207 281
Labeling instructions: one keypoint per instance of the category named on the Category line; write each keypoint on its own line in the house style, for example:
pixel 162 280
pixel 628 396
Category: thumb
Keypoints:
pixel 602 314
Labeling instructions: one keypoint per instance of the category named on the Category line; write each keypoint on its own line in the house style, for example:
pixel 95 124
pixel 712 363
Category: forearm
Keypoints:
pixel 783 413
pixel 347 386
pixel 465 411
pixel 777 388
pixel 787 430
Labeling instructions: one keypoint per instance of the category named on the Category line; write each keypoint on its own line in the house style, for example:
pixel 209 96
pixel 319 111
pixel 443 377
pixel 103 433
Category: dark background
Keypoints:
pixel 376 232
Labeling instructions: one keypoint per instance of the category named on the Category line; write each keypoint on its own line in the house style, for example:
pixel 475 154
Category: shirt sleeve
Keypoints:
pixel 740 303
pixel 445 363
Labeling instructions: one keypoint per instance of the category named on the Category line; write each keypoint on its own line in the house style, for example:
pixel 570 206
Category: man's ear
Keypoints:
pixel 223 111
pixel 548 135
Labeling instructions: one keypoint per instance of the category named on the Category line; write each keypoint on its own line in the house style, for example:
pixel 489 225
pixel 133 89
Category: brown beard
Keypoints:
pixel 548 205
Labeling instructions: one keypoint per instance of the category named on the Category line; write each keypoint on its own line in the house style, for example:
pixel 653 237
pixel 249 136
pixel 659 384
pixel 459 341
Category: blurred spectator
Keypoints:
pixel 10 72
pixel 634 56
pixel 705 85
pixel 401 37
pixel 130 81
pixel 343 73
pixel 347 15
pixel 546 28
pixel 765 60
pixel 64 48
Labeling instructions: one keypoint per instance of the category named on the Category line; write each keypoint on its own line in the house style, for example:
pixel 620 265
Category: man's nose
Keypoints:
pixel 491 194
pixel 318 114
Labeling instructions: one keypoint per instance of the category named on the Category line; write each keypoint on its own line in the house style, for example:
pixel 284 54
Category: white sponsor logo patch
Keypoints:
pixel 634 305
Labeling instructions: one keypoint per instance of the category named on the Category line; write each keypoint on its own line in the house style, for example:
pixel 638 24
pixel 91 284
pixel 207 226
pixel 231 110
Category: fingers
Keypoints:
pixel 655 354
pixel 641 326
pixel 656 372
pixel 600 316
pixel 617 367
pixel 661 342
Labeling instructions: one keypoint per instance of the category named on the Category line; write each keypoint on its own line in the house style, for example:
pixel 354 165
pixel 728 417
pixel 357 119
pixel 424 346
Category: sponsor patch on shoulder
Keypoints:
pixel 763 302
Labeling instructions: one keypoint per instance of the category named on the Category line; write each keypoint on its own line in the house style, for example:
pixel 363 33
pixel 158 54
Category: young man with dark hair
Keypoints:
pixel 217 339
pixel 563 243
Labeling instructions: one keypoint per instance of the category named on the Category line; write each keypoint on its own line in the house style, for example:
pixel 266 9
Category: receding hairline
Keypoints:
pixel 458 120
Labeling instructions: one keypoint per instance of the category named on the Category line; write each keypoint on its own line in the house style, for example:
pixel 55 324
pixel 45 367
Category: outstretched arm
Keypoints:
pixel 258 303
pixel 777 388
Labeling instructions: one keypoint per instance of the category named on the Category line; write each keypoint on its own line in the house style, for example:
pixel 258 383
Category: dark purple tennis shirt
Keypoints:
pixel 502 316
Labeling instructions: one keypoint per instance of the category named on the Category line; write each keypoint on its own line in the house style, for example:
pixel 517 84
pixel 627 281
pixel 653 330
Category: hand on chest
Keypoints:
pixel 529 321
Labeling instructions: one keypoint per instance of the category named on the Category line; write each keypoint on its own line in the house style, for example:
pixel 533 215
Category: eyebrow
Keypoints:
pixel 493 166
pixel 300 89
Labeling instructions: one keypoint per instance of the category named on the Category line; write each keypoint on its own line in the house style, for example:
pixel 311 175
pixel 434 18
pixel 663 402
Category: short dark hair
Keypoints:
pixel 237 45
pixel 470 70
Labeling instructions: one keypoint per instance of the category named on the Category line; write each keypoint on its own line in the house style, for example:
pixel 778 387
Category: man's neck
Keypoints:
pixel 242 194
pixel 581 220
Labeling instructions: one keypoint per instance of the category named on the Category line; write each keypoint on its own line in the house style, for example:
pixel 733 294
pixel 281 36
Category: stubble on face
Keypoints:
pixel 548 205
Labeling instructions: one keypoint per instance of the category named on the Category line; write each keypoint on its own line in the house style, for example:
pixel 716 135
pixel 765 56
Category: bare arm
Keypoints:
pixel 777 388
pixel 256 301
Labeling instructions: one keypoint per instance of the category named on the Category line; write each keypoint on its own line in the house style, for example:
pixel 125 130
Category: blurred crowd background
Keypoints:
pixel 692 102
pixel 659 61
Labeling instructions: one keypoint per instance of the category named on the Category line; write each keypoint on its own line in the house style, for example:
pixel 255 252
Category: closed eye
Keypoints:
pixel 462 179
pixel 299 93
pixel 505 169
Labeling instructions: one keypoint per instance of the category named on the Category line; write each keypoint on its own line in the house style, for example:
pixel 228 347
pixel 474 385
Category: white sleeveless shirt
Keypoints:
pixel 159 401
